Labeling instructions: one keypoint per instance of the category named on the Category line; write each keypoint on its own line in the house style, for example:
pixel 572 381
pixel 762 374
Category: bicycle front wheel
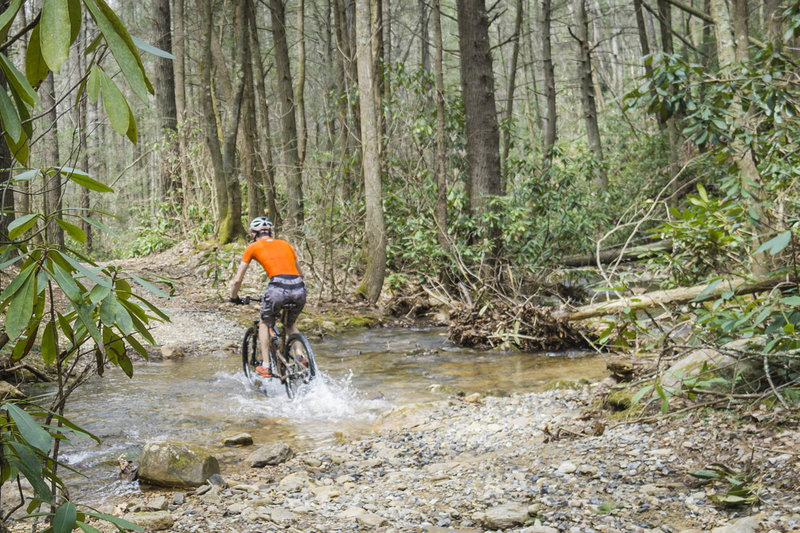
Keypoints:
pixel 250 353
pixel 302 367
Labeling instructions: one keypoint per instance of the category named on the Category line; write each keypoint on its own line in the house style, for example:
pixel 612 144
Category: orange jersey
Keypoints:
pixel 275 255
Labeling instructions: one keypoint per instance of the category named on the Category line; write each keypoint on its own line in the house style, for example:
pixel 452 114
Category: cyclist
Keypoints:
pixel 285 282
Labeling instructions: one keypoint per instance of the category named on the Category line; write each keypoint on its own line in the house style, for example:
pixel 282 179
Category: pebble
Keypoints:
pixel 478 471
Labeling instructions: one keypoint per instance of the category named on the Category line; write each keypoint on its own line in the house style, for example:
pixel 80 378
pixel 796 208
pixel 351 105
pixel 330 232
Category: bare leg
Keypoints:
pixel 264 334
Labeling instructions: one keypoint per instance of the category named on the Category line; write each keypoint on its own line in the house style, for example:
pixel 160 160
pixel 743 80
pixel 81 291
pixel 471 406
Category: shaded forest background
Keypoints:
pixel 499 138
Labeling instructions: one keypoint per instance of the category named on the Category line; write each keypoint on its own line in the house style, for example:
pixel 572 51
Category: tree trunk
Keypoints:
pixel 512 80
pixel 346 80
pixel 587 93
pixel 223 155
pixel 645 46
pixel 424 48
pixel 300 104
pixel 731 35
pixel 266 166
pixel 179 69
pixel 249 134
pixel 53 195
pixel 6 167
pixel 549 83
pixel 288 124
pixel 375 229
pixel 165 93
pixel 441 170
pixel 477 82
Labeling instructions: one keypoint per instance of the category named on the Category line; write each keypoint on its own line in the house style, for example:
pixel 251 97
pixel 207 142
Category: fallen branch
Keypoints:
pixel 681 295
pixel 621 255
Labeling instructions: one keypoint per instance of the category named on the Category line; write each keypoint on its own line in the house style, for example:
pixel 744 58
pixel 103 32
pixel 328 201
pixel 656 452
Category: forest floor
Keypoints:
pixel 536 462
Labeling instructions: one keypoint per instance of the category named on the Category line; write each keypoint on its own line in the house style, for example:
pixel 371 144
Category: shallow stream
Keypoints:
pixel 202 399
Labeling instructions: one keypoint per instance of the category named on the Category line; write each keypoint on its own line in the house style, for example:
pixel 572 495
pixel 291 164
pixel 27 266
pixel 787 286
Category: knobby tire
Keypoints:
pixel 302 365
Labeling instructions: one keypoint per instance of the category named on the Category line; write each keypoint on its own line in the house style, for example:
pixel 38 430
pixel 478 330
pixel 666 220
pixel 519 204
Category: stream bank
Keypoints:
pixel 482 463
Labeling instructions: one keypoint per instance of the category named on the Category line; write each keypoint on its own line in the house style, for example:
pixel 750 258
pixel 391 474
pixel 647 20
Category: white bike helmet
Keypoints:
pixel 261 224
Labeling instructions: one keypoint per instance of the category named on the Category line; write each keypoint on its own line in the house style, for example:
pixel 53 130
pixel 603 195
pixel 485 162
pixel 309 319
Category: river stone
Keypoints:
pixel 271 454
pixel 155 521
pixel 506 515
pixel 748 524
pixel 172 351
pixel 10 392
pixel 294 481
pixel 242 439
pixel 175 465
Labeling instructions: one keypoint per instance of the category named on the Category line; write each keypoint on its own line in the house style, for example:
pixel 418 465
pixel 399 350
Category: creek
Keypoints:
pixel 202 399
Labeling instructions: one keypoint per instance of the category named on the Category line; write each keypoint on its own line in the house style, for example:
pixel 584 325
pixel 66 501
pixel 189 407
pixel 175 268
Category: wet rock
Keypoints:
pixel 172 351
pixel 154 521
pixel 178 498
pixel 271 454
pixel 242 439
pixel 506 515
pixel 175 465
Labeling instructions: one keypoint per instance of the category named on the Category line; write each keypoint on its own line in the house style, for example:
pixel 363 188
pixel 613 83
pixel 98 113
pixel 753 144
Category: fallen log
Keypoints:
pixel 624 255
pixel 677 296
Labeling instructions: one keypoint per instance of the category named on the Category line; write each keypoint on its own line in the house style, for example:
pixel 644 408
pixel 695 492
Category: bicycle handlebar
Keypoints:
pixel 240 301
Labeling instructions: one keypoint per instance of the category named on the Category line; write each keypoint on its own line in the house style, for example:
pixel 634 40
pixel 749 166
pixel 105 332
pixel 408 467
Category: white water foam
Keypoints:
pixel 325 399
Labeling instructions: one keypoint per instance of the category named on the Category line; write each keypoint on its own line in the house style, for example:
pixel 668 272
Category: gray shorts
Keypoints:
pixel 281 291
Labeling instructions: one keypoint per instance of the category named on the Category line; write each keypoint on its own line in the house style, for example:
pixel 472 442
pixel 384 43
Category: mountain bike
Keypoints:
pixel 290 358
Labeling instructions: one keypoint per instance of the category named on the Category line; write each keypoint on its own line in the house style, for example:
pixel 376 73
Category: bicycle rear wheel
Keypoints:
pixel 302 365
pixel 250 353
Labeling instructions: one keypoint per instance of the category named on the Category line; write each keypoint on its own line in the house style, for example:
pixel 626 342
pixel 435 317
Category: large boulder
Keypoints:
pixel 175 465
pixel 717 363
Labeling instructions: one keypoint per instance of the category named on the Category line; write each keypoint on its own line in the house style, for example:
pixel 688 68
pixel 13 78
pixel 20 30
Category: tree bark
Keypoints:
pixel 549 83
pixel 288 124
pixel 52 196
pixel 441 170
pixel 179 69
pixel 223 155
pixel 300 104
pixel 731 35
pixel 681 295
pixel 587 93
pixel 611 256
pixel 6 166
pixel 165 93
pixel 266 166
pixel 424 48
pixel 477 82
pixel 249 134
pixel 512 80
pixel 645 46
pixel 375 229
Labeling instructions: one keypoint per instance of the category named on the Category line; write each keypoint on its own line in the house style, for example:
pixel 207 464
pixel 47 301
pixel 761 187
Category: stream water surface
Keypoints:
pixel 202 399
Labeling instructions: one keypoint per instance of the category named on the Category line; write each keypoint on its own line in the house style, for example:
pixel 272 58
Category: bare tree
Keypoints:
pixel 587 92
pixel 300 103
pixel 375 229
pixel 512 80
pixel 53 194
pixel 165 91
pixel 291 157
pixel 477 82
pixel 549 82
pixel 441 171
